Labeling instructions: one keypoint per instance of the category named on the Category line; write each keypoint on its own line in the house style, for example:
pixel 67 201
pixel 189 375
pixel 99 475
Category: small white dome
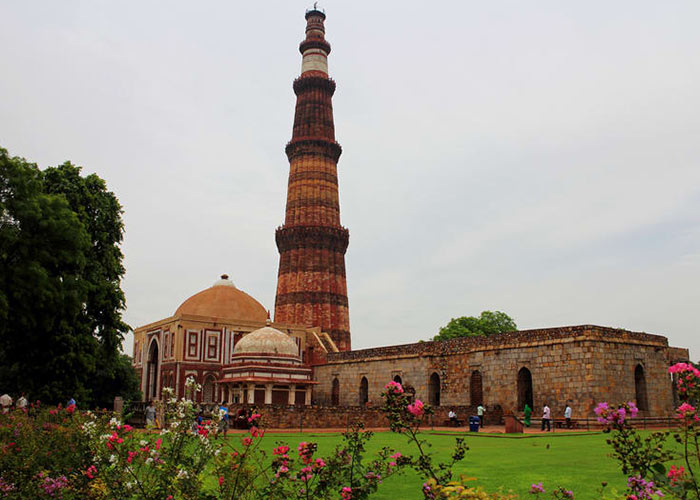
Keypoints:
pixel 267 340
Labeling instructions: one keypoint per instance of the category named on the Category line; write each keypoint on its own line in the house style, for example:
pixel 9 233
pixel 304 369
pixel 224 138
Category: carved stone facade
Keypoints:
pixel 311 286
pixel 582 364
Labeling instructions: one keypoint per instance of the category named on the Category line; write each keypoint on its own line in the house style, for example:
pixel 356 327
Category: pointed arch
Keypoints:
pixel 364 391
pixel 335 392
pixel 640 388
pixel 525 394
pixel 476 389
pixel 434 389
pixel 397 379
pixel 152 370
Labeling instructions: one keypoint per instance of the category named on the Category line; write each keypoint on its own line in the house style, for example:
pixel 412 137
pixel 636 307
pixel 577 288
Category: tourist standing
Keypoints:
pixel 223 413
pixel 546 417
pixel 150 415
pixel 527 412
pixel 5 402
pixel 567 416
pixel 480 413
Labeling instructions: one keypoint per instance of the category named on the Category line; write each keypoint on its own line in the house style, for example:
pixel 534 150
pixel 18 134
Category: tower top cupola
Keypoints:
pixel 315 49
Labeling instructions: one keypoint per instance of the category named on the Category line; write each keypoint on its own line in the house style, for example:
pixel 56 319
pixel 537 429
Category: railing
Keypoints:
pixel 592 424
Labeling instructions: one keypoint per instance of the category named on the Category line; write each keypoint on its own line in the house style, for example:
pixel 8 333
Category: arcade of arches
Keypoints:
pixel 582 365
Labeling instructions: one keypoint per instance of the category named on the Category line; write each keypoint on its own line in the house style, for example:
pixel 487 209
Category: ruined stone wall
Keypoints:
pixel 334 417
pixel 584 364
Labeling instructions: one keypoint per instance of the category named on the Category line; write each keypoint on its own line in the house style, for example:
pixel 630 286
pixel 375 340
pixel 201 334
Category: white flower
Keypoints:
pixel 182 474
pixel 149 460
pixel 114 422
pixel 113 459
pixel 143 443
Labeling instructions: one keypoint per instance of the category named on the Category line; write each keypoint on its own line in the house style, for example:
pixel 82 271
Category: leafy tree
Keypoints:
pixel 60 295
pixel 488 323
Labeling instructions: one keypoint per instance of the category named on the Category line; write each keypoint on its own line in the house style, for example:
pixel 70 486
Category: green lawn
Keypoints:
pixel 577 462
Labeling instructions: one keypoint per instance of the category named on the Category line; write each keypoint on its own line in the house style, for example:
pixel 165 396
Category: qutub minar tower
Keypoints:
pixel 311 286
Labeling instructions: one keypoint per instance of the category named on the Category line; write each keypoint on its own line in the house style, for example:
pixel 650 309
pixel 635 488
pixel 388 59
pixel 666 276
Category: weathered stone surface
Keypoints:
pixel 583 364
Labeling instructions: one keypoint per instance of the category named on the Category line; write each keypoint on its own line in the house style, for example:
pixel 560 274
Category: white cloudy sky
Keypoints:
pixel 539 158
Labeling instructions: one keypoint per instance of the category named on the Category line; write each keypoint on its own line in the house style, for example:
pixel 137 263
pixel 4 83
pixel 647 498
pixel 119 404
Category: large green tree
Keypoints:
pixel 60 295
pixel 487 323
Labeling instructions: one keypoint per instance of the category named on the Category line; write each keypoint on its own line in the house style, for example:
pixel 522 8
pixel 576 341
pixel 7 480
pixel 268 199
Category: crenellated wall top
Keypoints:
pixel 511 340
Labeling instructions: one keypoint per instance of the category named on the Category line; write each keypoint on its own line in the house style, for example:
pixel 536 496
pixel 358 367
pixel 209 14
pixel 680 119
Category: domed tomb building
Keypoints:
pixel 201 340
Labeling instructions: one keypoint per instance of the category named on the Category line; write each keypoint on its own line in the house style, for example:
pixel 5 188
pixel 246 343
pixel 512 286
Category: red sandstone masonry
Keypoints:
pixel 311 286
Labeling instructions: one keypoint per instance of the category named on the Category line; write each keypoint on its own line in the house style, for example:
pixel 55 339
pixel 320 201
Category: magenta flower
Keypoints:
pixel 394 388
pixel 675 473
pixel 536 488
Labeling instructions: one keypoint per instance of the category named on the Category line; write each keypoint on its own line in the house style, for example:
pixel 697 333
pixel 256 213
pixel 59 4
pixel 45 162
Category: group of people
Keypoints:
pixel 6 403
pixel 547 416
pixel 479 411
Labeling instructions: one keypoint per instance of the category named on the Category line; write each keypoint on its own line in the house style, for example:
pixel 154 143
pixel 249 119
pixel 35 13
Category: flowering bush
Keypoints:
pixel 42 454
pixel 644 460
pixel 406 416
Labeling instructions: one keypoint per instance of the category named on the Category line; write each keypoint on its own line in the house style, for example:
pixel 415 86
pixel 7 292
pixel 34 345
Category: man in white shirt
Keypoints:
pixel 567 415
pixel 546 417
pixel 480 413
pixel 453 417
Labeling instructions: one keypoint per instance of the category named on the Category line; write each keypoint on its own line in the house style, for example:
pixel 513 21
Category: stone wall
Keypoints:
pixel 341 417
pixel 582 364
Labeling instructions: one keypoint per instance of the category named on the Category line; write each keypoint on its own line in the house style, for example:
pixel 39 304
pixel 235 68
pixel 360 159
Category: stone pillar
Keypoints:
pixel 241 394
pixel 307 396
pixel 268 394
pixel 292 394
pixel 251 394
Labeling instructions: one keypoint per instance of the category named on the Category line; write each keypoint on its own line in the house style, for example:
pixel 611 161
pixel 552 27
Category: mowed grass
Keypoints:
pixel 578 462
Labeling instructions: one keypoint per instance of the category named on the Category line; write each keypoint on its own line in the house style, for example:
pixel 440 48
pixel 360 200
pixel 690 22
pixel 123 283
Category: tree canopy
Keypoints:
pixel 60 285
pixel 487 323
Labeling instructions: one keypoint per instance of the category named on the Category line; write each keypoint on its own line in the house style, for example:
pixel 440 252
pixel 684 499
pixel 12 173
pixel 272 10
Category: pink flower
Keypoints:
pixel 159 441
pixel 346 493
pixel 281 450
pixel 320 463
pixel 305 474
pixel 536 488
pixel 416 408
pixel 221 480
pixel 394 388
pixel 687 413
pixel 254 417
pixel 246 441
pixel 92 471
pixel 676 474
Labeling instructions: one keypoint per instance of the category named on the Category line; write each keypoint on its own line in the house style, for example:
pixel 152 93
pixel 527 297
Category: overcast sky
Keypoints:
pixel 538 158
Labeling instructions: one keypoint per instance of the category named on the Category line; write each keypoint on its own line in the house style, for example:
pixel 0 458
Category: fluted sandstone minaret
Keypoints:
pixel 311 287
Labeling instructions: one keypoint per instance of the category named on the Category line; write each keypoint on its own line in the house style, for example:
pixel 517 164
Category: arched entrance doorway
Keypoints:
pixel 640 388
pixel 152 371
pixel 397 379
pixel 525 389
pixel 208 389
pixel 335 392
pixel 434 389
pixel 476 391
pixel 364 391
